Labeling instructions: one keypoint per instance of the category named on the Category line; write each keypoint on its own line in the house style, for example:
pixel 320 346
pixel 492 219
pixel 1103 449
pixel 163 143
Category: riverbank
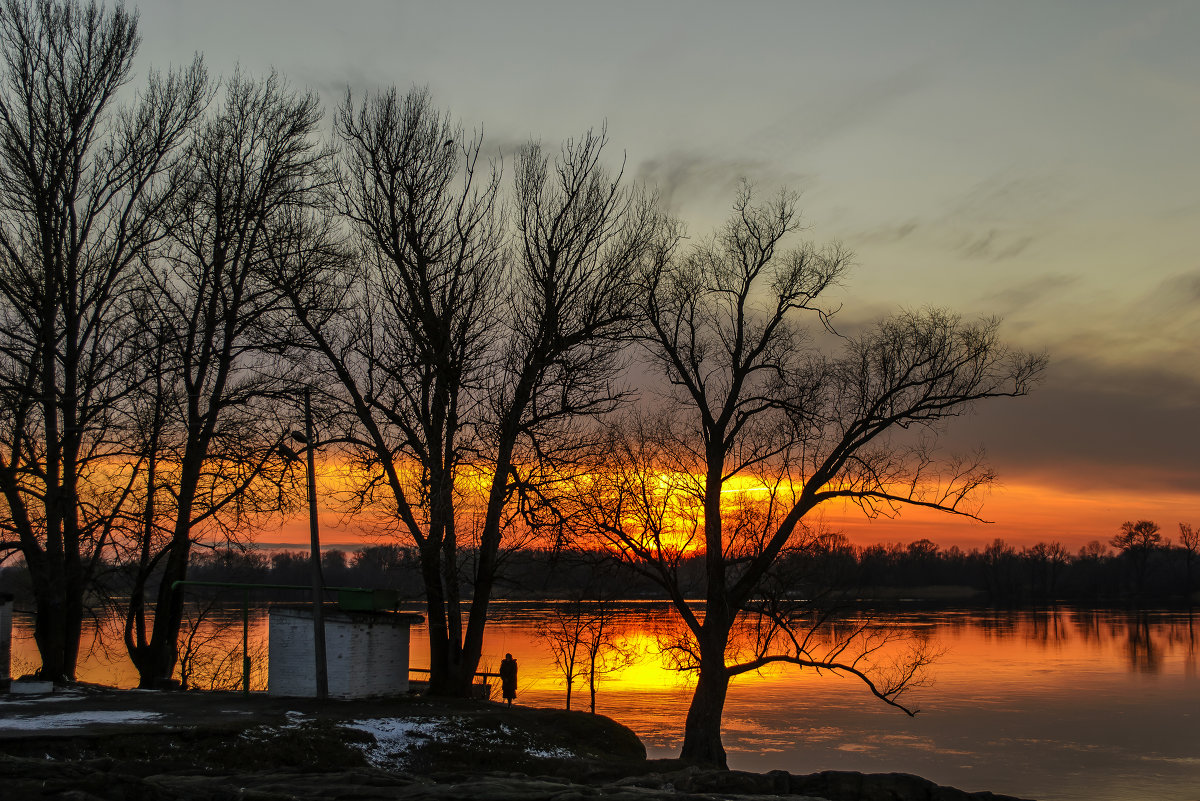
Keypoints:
pixel 89 743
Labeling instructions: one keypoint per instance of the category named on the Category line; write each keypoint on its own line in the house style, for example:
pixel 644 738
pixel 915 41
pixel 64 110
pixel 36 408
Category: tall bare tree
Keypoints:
pixel 1189 543
pixel 81 185
pixel 759 428
pixel 217 375
pixel 588 642
pixel 464 364
pixel 565 634
pixel 1137 541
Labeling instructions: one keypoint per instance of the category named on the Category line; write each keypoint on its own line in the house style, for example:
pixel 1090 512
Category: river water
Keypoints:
pixel 1058 705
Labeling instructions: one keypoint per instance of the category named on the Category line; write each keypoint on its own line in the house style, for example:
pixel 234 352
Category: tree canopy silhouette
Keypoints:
pixel 81 185
pixel 462 351
pixel 760 427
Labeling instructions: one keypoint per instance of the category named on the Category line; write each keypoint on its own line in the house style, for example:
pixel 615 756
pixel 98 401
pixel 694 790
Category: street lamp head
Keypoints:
pixel 299 437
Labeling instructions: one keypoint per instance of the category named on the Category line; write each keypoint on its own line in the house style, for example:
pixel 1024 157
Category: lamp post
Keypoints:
pixel 318 589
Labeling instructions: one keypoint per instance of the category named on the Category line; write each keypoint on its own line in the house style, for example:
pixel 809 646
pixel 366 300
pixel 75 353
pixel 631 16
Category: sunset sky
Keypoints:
pixel 1034 160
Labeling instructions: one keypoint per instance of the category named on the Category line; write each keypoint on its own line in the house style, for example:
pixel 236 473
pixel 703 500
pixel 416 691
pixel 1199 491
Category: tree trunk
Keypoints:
pixel 57 632
pixel 162 652
pixel 702 731
pixel 451 670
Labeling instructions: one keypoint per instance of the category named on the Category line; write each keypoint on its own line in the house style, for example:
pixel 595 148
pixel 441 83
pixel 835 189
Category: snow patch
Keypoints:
pixel 551 753
pixel 18 701
pixel 72 720
pixel 395 737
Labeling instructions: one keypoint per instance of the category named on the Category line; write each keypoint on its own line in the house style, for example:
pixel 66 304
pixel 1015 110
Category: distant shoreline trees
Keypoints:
pixel 881 575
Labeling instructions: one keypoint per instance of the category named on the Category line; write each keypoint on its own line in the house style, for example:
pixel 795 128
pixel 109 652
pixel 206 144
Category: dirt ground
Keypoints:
pixel 95 744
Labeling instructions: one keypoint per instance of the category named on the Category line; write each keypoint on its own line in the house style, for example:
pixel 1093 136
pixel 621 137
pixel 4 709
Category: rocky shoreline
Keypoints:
pixel 127 746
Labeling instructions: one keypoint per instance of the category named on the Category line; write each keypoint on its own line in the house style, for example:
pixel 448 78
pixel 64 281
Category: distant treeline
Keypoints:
pixel 1001 573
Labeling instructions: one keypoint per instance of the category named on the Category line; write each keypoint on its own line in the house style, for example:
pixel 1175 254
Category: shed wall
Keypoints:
pixel 366 654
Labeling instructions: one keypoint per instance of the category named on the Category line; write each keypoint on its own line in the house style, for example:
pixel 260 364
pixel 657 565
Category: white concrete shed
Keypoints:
pixel 366 652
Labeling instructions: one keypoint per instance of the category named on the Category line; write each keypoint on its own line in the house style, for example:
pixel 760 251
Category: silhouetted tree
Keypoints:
pixel 1189 542
pixel 1137 541
pixel 753 400
pixel 586 640
pixel 1094 550
pixel 1000 567
pixel 606 650
pixel 212 399
pixel 1046 564
pixel 457 359
pixel 564 635
pixel 81 187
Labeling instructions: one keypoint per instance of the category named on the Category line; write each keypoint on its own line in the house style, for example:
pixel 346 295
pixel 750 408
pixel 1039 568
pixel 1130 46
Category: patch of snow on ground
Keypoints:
pixel 551 753
pixel 395 737
pixel 17 700
pixel 71 720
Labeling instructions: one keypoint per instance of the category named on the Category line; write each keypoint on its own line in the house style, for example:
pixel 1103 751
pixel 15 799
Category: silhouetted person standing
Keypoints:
pixel 508 678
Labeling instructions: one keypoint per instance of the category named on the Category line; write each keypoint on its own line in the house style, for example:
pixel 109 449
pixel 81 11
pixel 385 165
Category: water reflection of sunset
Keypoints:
pixel 647 673
pixel 1098 697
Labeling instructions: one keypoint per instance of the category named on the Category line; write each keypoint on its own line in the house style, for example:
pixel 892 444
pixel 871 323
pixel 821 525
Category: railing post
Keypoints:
pixel 246 643
pixel 318 590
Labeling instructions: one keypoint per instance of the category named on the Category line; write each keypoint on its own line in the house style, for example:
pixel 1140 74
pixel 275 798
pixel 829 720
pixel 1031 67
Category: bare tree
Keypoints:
pixel 459 361
pixel 210 651
pixel 1046 564
pixel 759 428
pixel 587 642
pixel 1189 541
pixel 213 417
pixel 564 635
pixel 81 185
pixel 607 650
pixel 1136 542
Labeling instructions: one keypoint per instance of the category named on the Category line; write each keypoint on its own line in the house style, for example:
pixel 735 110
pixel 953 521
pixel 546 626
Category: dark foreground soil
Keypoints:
pixel 205 747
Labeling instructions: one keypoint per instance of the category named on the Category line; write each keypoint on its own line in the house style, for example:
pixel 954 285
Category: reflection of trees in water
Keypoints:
pixel 1189 659
pixel 1182 635
pixel 1141 649
pixel 1001 625
pixel 1087 625
pixel 1047 626
pixel 1042 626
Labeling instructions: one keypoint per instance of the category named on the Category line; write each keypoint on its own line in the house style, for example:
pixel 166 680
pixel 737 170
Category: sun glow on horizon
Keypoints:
pixel 1023 511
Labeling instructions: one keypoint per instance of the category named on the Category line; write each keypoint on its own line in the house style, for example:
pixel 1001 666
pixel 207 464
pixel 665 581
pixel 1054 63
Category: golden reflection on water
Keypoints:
pixel 1008 646
pixel 1055 704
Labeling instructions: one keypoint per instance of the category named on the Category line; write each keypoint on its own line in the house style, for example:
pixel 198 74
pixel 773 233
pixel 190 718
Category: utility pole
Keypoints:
pixel 318 589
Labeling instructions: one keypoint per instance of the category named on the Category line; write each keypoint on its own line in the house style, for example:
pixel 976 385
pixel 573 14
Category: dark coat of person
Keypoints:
pixel 508 678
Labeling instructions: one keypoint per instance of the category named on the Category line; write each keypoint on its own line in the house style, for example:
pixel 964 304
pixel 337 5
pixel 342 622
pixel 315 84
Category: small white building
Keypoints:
pixel 366 652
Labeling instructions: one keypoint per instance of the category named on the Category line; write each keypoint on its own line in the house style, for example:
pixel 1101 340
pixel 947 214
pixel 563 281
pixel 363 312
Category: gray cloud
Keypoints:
pixel 1002 217
pixel 1020 297
pixel 810 123
pixel 888 234
pixel 827 117
pixel 682 177
pixel 1093 423
pixel 1178 292
pixel 994 245
pixel 1154 330
pixel 1089 426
